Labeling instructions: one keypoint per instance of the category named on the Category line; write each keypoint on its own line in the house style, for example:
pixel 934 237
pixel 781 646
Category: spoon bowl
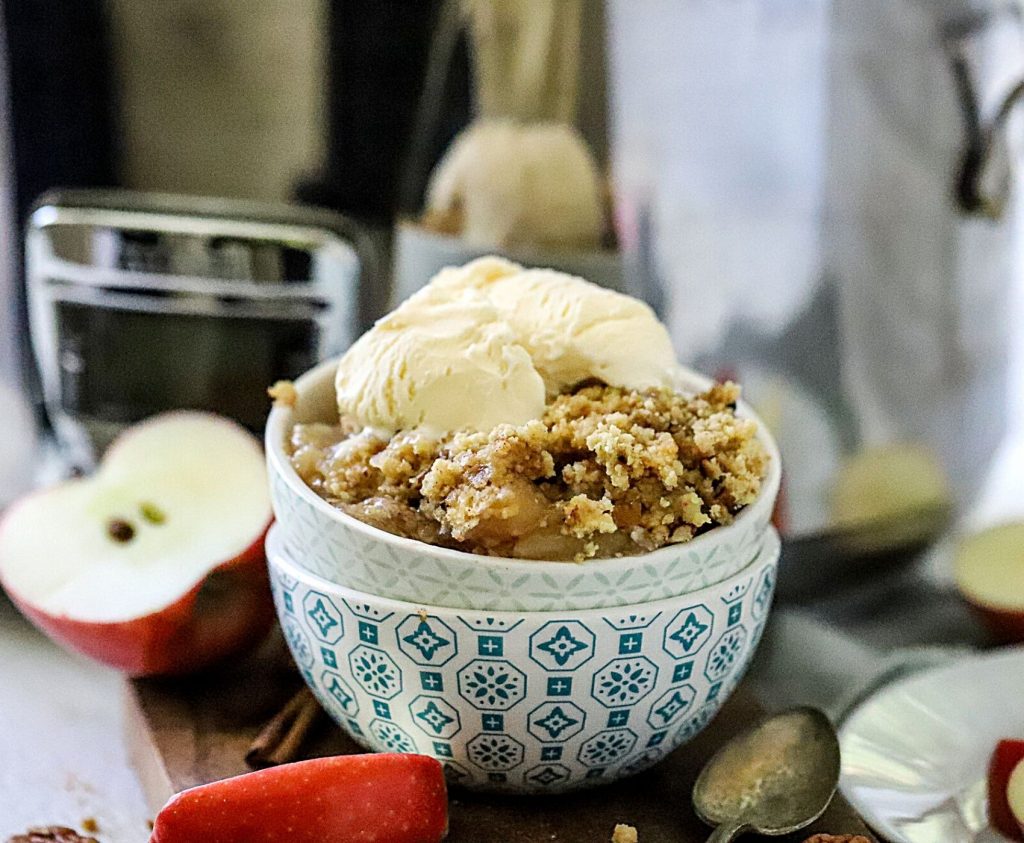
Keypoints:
pixel 774 778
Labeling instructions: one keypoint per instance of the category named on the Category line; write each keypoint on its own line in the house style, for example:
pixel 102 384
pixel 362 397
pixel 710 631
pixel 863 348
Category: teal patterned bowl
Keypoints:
pixel 332 545
pixel 525 701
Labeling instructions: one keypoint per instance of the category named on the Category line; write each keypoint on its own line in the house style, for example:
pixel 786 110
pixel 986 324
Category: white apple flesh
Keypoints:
pixel 1015 795
pixel 155 564
pixel 990 575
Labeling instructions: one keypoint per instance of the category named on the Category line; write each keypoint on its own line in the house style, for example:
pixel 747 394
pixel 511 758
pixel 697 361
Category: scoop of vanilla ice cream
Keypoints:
pixel 447 366
pixel 526 185
pixel 490 341
pixel 572 329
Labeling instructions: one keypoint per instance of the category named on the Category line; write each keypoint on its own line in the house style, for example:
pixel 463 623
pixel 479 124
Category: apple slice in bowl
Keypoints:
pixel 155 564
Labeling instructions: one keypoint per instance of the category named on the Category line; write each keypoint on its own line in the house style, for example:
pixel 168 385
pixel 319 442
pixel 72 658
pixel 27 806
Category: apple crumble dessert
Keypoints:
pixel 604 472
pixel 527 413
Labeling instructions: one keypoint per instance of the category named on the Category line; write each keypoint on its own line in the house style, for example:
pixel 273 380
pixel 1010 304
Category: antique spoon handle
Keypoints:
pixel 728 832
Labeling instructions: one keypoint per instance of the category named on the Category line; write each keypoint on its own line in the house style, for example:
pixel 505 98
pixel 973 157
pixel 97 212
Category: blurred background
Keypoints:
pixel 820 197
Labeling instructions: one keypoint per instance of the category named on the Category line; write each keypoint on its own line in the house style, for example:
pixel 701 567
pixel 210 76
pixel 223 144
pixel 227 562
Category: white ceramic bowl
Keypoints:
pixel 344 550
pixel 523 701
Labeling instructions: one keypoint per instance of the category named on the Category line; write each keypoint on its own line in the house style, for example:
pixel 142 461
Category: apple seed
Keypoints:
pixel 152 513
pixel 120 530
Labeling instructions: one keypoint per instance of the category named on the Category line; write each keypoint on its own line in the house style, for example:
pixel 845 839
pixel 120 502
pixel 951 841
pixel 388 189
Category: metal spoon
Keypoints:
pixel 775 778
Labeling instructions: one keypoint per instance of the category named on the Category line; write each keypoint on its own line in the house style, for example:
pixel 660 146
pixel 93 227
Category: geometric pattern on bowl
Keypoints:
pixel 524 702
pixel 343 550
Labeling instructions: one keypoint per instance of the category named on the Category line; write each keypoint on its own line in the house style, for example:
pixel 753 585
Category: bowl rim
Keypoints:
pixel 279 423
pixel 767 556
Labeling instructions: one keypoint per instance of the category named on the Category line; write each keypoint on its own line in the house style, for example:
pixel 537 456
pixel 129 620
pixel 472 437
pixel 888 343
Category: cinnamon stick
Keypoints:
pixel 280 740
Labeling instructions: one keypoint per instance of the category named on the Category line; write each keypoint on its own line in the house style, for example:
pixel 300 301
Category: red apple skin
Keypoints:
pixel 387 798
pixel 1005 626
pixel 229 610
pixel 1008 754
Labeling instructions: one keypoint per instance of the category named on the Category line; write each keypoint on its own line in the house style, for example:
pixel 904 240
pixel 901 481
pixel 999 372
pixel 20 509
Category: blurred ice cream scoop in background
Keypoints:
pixel 525 178
pixel 505 184
pixel 521 175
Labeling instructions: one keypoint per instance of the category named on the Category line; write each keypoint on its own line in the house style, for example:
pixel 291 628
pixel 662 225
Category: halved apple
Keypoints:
pixel 1007 757
pixel 1015 797
pixel 990 575
pixel 887 481
pixel 155 564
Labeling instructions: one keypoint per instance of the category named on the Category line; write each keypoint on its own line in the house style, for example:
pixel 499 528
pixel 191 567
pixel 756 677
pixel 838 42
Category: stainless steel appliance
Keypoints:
pixel 144 303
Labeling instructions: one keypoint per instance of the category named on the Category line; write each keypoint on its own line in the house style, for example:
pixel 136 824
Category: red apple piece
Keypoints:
pixel 1008 754
pixel 388 798
pixel 1015 797
pixel 154 564
pixel 990 576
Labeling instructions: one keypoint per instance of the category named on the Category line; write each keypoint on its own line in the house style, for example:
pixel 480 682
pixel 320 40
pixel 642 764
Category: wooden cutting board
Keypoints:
pixel 186 732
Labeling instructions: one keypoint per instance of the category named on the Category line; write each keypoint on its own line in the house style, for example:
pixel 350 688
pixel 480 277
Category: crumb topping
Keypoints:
pixel 624 834
pixel 604 472
pixel 583 516
pixel 283 394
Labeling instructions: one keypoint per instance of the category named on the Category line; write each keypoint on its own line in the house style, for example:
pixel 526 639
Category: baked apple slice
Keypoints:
pixel 154 564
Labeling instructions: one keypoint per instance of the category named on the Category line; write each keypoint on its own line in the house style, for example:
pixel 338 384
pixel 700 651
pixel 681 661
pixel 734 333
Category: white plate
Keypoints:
pixel 915 755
